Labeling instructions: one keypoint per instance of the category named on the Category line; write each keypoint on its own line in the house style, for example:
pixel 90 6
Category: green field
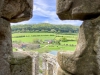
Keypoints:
pixel 30 37
pixel 69 41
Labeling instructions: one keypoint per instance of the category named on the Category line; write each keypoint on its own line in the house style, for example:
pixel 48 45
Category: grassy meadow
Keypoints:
pixel 60 42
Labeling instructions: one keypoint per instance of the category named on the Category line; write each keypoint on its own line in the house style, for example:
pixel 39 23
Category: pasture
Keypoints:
pixel 60 42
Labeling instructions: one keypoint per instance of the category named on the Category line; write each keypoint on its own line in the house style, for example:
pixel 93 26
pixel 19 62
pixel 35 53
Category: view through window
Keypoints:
pixel 45 32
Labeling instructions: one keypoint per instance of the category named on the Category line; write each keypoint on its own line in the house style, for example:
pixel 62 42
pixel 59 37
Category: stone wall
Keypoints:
pixel 11 11
pixel 86 59
pixel 78 9
pixel 5 46
pixel 50 64
pixel 24 63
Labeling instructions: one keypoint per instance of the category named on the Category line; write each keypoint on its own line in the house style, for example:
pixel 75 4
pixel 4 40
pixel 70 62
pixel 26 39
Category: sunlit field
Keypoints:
pixel 61 42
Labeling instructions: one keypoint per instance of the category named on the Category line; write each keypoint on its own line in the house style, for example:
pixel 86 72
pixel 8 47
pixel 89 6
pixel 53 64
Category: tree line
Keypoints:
pixel 44 27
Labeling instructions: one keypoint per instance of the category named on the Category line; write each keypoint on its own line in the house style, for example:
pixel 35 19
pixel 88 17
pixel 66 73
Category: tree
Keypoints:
pixel 64 39
pixel 45 27
pixel 53 30
pixel 57 42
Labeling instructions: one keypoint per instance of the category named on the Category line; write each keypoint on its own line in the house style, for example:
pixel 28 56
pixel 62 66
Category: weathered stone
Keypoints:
pixel 5 47
pixel 67 62
pixel 4 67
pixel 50 69
pixel 86 58
pixel 78 9
pixel 24 63
pixel 17 10
pixel 62 72
pixel 21 64
pixel 50 64
pixel 35 62
pixel 1 5
pixel 12 11
pixel 5 39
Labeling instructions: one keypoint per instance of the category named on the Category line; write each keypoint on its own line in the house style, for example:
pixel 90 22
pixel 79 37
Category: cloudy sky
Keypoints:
pixel 45 12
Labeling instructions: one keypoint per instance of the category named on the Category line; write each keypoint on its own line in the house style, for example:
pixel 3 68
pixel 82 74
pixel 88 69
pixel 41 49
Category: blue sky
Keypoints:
pixel 44 11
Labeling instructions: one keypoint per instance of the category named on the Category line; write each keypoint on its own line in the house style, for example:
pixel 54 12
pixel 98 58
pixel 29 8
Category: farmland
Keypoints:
pixel 47 41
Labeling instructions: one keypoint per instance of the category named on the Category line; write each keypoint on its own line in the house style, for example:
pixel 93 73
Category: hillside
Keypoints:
pixel 44 27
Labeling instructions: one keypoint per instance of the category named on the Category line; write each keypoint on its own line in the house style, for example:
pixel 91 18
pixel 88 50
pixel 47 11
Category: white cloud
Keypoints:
pixel 43 10
pixel 72 22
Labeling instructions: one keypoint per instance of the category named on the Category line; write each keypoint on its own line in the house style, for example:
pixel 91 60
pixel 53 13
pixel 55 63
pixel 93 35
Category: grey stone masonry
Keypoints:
pixel 86 58
pixel 5 47
pixel 50 64
pixel 78 9
pixel 23 63
pixel 11 11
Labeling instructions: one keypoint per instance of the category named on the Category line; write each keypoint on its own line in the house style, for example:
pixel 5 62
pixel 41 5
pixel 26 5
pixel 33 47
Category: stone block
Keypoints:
pixel 78 9
pixel 17 10
pixel 5 46
pixel 1 5
pixel 21 64
pixel 62 72
pixel 86 58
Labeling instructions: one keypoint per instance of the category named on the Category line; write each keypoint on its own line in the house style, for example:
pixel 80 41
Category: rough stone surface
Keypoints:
pixel 50 64
pixel 5 47
pixel 78 9
pixel 86 58
pixel 12 11
pixel 66 62
pixel 17 10
pixel 50 69
pixel 35 62
pixel 5 39
pixel 1 5
pixel 62 72
pixel 21 64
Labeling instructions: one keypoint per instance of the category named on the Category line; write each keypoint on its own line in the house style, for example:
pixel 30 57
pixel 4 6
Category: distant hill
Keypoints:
pixel 45 27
